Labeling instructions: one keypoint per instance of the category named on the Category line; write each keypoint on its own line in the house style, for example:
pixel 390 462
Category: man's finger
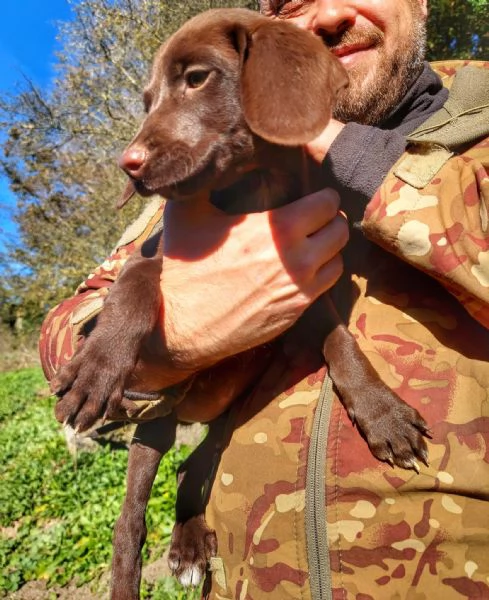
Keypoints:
pixel 328 241
pixel 306 215
pixel 327 276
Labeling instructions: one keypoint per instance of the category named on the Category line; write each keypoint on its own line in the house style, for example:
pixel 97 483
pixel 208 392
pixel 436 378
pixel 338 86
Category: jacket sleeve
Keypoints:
pixel 69 322
pixel 441 228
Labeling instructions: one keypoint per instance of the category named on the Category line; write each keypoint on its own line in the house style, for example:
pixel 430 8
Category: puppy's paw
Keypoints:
pixel 395 432
pixel 88 388
pixel 193 544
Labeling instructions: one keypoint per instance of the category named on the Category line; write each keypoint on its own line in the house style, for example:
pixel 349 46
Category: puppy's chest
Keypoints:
pixel 263 189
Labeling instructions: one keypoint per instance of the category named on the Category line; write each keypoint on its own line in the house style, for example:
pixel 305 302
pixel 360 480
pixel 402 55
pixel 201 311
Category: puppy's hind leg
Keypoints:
pixel 193 543
pixel 150 442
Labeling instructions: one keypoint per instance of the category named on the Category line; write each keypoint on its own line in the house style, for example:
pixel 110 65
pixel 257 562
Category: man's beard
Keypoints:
pixel 373 94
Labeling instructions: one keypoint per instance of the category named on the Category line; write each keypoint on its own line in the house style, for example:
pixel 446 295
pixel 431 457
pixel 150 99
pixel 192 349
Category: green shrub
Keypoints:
pixel 17 389
pixel 57 515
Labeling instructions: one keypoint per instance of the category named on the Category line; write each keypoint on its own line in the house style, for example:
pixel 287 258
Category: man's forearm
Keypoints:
pixel 358 161
pixel 361 156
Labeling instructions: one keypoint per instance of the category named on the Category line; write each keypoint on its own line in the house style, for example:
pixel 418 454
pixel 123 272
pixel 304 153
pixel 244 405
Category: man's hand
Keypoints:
pixel 230 283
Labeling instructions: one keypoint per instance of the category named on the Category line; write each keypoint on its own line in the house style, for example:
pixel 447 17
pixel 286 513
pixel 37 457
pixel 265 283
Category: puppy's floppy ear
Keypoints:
pixel 289 82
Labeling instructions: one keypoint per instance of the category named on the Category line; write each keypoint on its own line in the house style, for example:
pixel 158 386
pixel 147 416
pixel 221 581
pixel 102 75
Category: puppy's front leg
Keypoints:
pixel 395 431
pixel 92 384
pixel 150 442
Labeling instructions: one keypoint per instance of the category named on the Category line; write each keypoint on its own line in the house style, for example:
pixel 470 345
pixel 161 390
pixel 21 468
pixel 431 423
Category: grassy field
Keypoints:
pixel 57 512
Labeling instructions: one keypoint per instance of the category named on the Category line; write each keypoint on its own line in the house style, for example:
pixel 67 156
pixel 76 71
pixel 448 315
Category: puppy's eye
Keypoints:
pixel 196 78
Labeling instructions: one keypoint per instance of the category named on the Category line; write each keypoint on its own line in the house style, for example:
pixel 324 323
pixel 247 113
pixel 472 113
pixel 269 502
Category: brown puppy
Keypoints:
pixel 232 97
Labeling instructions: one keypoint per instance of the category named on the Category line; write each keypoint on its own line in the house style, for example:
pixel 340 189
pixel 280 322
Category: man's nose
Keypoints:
pixel 332 17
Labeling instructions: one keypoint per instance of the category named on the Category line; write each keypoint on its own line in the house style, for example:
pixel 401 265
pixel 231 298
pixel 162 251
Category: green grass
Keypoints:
pixel 168 589
pixel 57 516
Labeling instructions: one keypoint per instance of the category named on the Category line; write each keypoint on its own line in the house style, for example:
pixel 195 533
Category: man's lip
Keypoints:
pixel 347 50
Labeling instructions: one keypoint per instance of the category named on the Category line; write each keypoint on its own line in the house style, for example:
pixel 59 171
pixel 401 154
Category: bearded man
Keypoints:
pixel 300 507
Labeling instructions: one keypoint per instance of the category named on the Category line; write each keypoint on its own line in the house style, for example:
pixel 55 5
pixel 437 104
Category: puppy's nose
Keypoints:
pixel 132 160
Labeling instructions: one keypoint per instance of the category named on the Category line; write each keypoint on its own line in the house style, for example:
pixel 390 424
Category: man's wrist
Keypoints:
pixel 156 368
pixel 319 147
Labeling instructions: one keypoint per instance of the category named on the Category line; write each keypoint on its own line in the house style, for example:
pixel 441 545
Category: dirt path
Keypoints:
pixel 37 590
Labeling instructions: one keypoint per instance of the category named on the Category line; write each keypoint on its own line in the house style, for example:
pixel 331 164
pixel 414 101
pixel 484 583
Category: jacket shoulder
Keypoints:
pixel 447 69
pixel 149 223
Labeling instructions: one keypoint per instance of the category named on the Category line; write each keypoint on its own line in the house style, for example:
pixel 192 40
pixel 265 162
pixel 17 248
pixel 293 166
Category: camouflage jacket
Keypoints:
pixel 321 518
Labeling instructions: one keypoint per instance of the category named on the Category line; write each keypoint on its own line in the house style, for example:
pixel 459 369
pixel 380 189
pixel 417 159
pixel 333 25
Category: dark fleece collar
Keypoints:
pixel 424 97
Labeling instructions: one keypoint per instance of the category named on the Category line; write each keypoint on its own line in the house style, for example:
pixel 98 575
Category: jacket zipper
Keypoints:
pixel 315 509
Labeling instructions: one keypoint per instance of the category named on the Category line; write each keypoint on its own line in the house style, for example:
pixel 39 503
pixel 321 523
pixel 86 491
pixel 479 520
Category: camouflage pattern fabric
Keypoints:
pixel 420 315
pixel 391 533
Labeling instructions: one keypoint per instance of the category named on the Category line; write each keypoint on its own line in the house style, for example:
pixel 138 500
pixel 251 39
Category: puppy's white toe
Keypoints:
pixel 191 576
pixel 173 564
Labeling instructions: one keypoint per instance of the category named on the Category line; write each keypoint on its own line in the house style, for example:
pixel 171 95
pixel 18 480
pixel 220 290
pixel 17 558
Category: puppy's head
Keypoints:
pixel 225 78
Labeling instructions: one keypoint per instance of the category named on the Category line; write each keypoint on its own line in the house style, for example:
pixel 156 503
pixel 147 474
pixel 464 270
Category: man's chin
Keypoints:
pixel 355 100
pixel 364 71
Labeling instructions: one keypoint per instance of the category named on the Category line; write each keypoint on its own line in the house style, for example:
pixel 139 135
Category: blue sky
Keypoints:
pixel 27 45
